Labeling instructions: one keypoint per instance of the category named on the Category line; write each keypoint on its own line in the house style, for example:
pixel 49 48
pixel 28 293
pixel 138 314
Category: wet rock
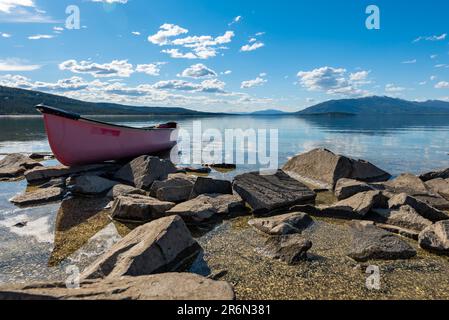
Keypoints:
pixel 139 208
pixel 48 173
pixel 164 245
pixel 143 171
pixel 202 170
pixel 40 196
pixel 421 207
pixel 289 223
pixel 441 174
pixel 323 168
pixel 346 188
pixel 268 193
pixel 222 166
pixel 206 207
pixel 404 217
pixel 358 205
pixel 210 186
pixel 435 238
pixel 90 185
pixel 13 166
pixel 290 249
pixel 124 190
pixel 177 188
pixel 167 286
pixel 439 186
pixel 372 243
pixel 54 183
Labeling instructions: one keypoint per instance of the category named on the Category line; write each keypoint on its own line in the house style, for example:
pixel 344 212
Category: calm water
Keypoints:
pixel 406 144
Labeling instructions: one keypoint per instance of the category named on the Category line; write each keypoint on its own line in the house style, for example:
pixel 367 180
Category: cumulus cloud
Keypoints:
pixel 152 69
pixel 431 38
pixel 18 65
pixel 22 11
pixel 166 31
pixel 116 68
pixel 252 47
pixel 442 85
pixel 259 81
pixel 392 88
pixel 208 86
pixel 7 6
pixel 5 35
pixel 198 71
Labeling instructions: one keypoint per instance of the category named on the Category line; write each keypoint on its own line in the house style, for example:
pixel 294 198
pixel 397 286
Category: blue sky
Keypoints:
pixel 226 55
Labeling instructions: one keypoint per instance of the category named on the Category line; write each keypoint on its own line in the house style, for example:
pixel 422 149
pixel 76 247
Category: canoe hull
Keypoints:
pixel 80 142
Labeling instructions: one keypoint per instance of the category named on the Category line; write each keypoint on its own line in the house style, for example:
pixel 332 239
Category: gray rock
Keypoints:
pixel 143 171
pixel 404 217
pixel 54 183
pixel 411 234
pixel 268 193
pixel 90 184
pixel 124 190
pixel 13 166
pixel 358 205
pixel 443 174
pixel 206 207
pixel 421 207
pixel 285 224
pixel 164 245
pixel 346 188
pixel 48 173
pixel 435 238
pixel 372 243
pixel 202 170
pixel 439 186
pixel 323 168
pixel 290 249
pixel 40 196
pixel 139 208
pixel 166 286
pixel 210 186
pixel 177 188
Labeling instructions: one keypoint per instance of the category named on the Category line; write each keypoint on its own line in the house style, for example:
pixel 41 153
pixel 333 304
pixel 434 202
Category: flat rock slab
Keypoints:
pixel 268 193
pixel 443 174
pixel 167 286
pixel 40 196
pixel 358 205
pixel 124 190
pixel 164 245
pixel 139 208
pixel 404 217
pixel 285 224
pixel 421 207
pixel 290 249
pixel 324 168
pixel 13 166
pixel 439 186
pixel 48 173
pixel 210 186
pixel 144 170
pixel 347 188
pixel 435 238
pixel 90 185
pixel 177 188
pixel 372 243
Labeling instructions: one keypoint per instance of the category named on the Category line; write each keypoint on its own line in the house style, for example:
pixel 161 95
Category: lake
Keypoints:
pixel 44 247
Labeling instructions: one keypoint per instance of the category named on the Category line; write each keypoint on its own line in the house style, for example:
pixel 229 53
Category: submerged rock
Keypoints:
pixel 139 208
pixel 323 168
pixel 346 188
pixel 421 207
pixel 372 243
pixel 210 186
pixel 435 238
pixel 90 185
pixel 124 190
pixel 290 249
pixel 285 224
pixel 177 188
pixel 144 170
pixel 40 196
pixel 442 174
pixel 267 193
pixel 48 173
pixel 167 286
pixel 358 205
pixel 13 166
pixel 164 245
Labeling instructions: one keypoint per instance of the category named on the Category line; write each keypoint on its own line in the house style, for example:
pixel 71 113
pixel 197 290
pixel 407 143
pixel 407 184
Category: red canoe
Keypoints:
pixel 75 140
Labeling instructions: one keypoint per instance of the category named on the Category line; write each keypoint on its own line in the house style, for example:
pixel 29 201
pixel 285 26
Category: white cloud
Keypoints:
pixel 22 11
pixel 252 47
pixel 111 1
pixel 152 69
pixel 442 85
pixel 207 86
pixel 359 76
pixel 136 33
pixel 236 20
pixel 176 54
pixel 392 88
pixel 253 83
pixel 10 65
pixel 40 37
pixel 5 35
pixel 7 6
pixel 198 71
pixel 227 72
pixel 431 38
pixel 433 78
pixel 116 68
pixel 433 56
pixel 442 65
pixel 166 31
pixel 409 61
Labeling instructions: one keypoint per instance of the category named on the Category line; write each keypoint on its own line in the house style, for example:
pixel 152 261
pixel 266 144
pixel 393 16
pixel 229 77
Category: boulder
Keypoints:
pixel 285 224
pixel 167 286
pixel 268 193
pixel 54 183
pixel 439 186
pixel 407 183
pixel 323 168
pixel 90 184
pixel 40 196
pixel 48 173
pixel 143 171
pixel 346 188
pixel 404 217
pixel 210 186
pixel 202 170
pixel 13 166
pixel 139 208
pixel 177 188
pixel 124 190
pixel 372 243
pixel 290 249
pixel 206 207
pixel 164 245
pixel 442 174
pixel 411 234
pixel 358 205
pixel 421 207
pixel 435 238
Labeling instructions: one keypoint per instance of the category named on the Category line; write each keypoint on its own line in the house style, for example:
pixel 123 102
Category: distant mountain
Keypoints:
pixel 270 112
pixel 15 101
pixel 377 105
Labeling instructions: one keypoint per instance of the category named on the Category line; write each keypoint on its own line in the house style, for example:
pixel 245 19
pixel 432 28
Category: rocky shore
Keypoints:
pixel 320 213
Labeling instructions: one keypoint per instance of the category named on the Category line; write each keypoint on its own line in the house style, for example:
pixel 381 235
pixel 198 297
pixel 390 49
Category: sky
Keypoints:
pixel 229 56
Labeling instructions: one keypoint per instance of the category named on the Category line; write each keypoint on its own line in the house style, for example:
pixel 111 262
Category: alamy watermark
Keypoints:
pixel 373 280
pixel 373 20
pixel 73 21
